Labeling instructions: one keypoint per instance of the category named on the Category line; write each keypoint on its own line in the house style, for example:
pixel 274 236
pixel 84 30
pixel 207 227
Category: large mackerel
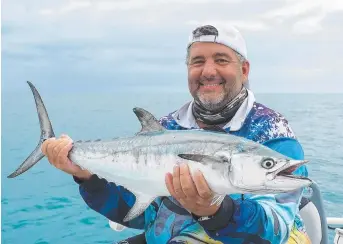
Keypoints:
pixel 230 164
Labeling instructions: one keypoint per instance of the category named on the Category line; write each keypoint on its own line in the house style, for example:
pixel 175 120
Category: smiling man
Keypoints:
pixel 218 71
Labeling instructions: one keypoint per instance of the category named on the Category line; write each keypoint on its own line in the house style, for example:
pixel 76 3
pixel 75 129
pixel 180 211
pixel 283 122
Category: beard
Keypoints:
pixel 216 100
pixel 213 101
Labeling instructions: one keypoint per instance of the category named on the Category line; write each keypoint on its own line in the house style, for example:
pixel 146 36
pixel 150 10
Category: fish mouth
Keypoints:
pixel 284 180
pixel 298 177
pixel 289 168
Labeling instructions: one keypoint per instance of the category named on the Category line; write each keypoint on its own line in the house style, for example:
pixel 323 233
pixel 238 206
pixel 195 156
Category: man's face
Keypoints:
pixel 215 74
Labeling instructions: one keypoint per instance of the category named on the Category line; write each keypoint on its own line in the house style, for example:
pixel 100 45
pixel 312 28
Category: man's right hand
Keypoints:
pixel 56 150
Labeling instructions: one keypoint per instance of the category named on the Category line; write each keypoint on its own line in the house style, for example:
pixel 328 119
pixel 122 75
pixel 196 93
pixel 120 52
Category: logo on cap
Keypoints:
pixel 207 30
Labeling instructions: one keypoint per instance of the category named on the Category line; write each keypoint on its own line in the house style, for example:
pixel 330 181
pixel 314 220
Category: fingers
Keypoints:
pixel 64 136
pixel 201 185
pixel 181 184
pixel 48 148
pixel 63 154
pixel 169 184
pixel 57 150
pixel 45 145
pixel 195 196
pixel 53 151
pixel 57 153
pixel 51 140
pixel 177 184
pixel 187 183
pixel 60 159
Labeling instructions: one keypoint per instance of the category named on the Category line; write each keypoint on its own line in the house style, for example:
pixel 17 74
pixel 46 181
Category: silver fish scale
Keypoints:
pixel 164 144
pixel 160 143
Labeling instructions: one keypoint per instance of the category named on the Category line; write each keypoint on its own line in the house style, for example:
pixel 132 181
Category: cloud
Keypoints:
pixel 309 14
pixel 240 24
pixel 89 40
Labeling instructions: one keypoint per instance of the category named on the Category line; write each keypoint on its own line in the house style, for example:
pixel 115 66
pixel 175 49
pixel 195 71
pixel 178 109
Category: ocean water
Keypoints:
pixel 44 206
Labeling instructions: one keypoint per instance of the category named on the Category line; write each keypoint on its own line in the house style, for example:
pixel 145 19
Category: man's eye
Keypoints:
pixel 222 61
pixel 198 62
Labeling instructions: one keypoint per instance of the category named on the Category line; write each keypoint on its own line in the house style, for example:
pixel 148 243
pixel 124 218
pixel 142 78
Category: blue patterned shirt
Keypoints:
pixel 242 218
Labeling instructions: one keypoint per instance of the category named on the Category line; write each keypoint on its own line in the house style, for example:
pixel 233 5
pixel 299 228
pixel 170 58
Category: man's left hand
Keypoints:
pixel 194 196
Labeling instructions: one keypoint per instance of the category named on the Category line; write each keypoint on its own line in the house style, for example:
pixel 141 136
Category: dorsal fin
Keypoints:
pixel 148 121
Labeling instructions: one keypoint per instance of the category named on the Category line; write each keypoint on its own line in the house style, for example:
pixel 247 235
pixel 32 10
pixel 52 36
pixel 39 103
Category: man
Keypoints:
pixel 218 72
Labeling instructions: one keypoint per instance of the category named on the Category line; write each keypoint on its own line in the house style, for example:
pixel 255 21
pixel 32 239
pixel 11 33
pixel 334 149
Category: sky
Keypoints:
pixel 293 46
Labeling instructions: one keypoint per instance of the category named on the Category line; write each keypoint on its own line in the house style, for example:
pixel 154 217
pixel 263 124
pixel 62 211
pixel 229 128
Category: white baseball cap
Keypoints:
pixel 228 36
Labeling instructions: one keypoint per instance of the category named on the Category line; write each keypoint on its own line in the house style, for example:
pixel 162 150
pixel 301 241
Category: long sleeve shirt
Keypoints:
pixel 241 218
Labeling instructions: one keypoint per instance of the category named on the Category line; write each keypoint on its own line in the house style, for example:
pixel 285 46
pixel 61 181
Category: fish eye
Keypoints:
pixel 268 163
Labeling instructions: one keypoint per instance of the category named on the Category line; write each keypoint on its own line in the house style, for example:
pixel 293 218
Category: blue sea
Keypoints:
pixel 44 205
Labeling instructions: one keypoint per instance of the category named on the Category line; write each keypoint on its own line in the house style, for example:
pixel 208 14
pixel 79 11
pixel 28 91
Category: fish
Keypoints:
pixel 229 163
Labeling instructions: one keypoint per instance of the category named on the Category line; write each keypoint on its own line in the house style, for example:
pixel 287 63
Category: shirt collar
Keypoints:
pixel 185 118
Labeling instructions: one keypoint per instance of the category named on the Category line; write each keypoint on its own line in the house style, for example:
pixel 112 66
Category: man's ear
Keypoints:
pixel 245 72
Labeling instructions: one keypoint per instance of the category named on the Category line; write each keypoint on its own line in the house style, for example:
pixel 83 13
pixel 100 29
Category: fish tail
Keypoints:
pixel 46 133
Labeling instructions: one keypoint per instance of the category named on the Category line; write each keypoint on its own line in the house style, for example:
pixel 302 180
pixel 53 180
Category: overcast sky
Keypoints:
pixel 293 45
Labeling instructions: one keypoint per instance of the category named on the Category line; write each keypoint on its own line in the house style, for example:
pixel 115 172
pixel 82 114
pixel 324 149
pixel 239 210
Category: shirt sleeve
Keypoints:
pixel 260 218
pixel 109 200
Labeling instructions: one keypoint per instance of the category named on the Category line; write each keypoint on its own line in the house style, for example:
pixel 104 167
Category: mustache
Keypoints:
pixel 211 79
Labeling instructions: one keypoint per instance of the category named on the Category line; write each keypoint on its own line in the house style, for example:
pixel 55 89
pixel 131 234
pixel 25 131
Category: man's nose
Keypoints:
pixel 209 71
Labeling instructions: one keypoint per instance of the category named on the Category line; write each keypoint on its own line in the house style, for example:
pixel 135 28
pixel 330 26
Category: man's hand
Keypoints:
pixel 57 152
pixel 194 196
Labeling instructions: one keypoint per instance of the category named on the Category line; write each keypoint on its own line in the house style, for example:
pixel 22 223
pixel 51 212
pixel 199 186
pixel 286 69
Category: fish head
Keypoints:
pixel 264 175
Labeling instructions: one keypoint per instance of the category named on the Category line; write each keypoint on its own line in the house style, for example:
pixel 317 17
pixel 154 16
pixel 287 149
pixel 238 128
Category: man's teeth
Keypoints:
pixel 209 85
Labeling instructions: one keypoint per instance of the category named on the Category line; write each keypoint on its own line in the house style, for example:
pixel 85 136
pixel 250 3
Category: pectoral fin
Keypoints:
pixel 141 204
pixel 204 159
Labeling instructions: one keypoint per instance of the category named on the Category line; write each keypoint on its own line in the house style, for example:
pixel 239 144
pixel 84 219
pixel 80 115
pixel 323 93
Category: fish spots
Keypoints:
pixel 84 141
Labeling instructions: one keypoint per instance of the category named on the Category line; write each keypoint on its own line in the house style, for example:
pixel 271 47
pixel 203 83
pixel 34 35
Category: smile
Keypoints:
pixel 211 85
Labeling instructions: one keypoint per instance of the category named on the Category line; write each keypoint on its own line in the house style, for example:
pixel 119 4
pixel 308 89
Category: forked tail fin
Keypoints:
pixel 46 133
